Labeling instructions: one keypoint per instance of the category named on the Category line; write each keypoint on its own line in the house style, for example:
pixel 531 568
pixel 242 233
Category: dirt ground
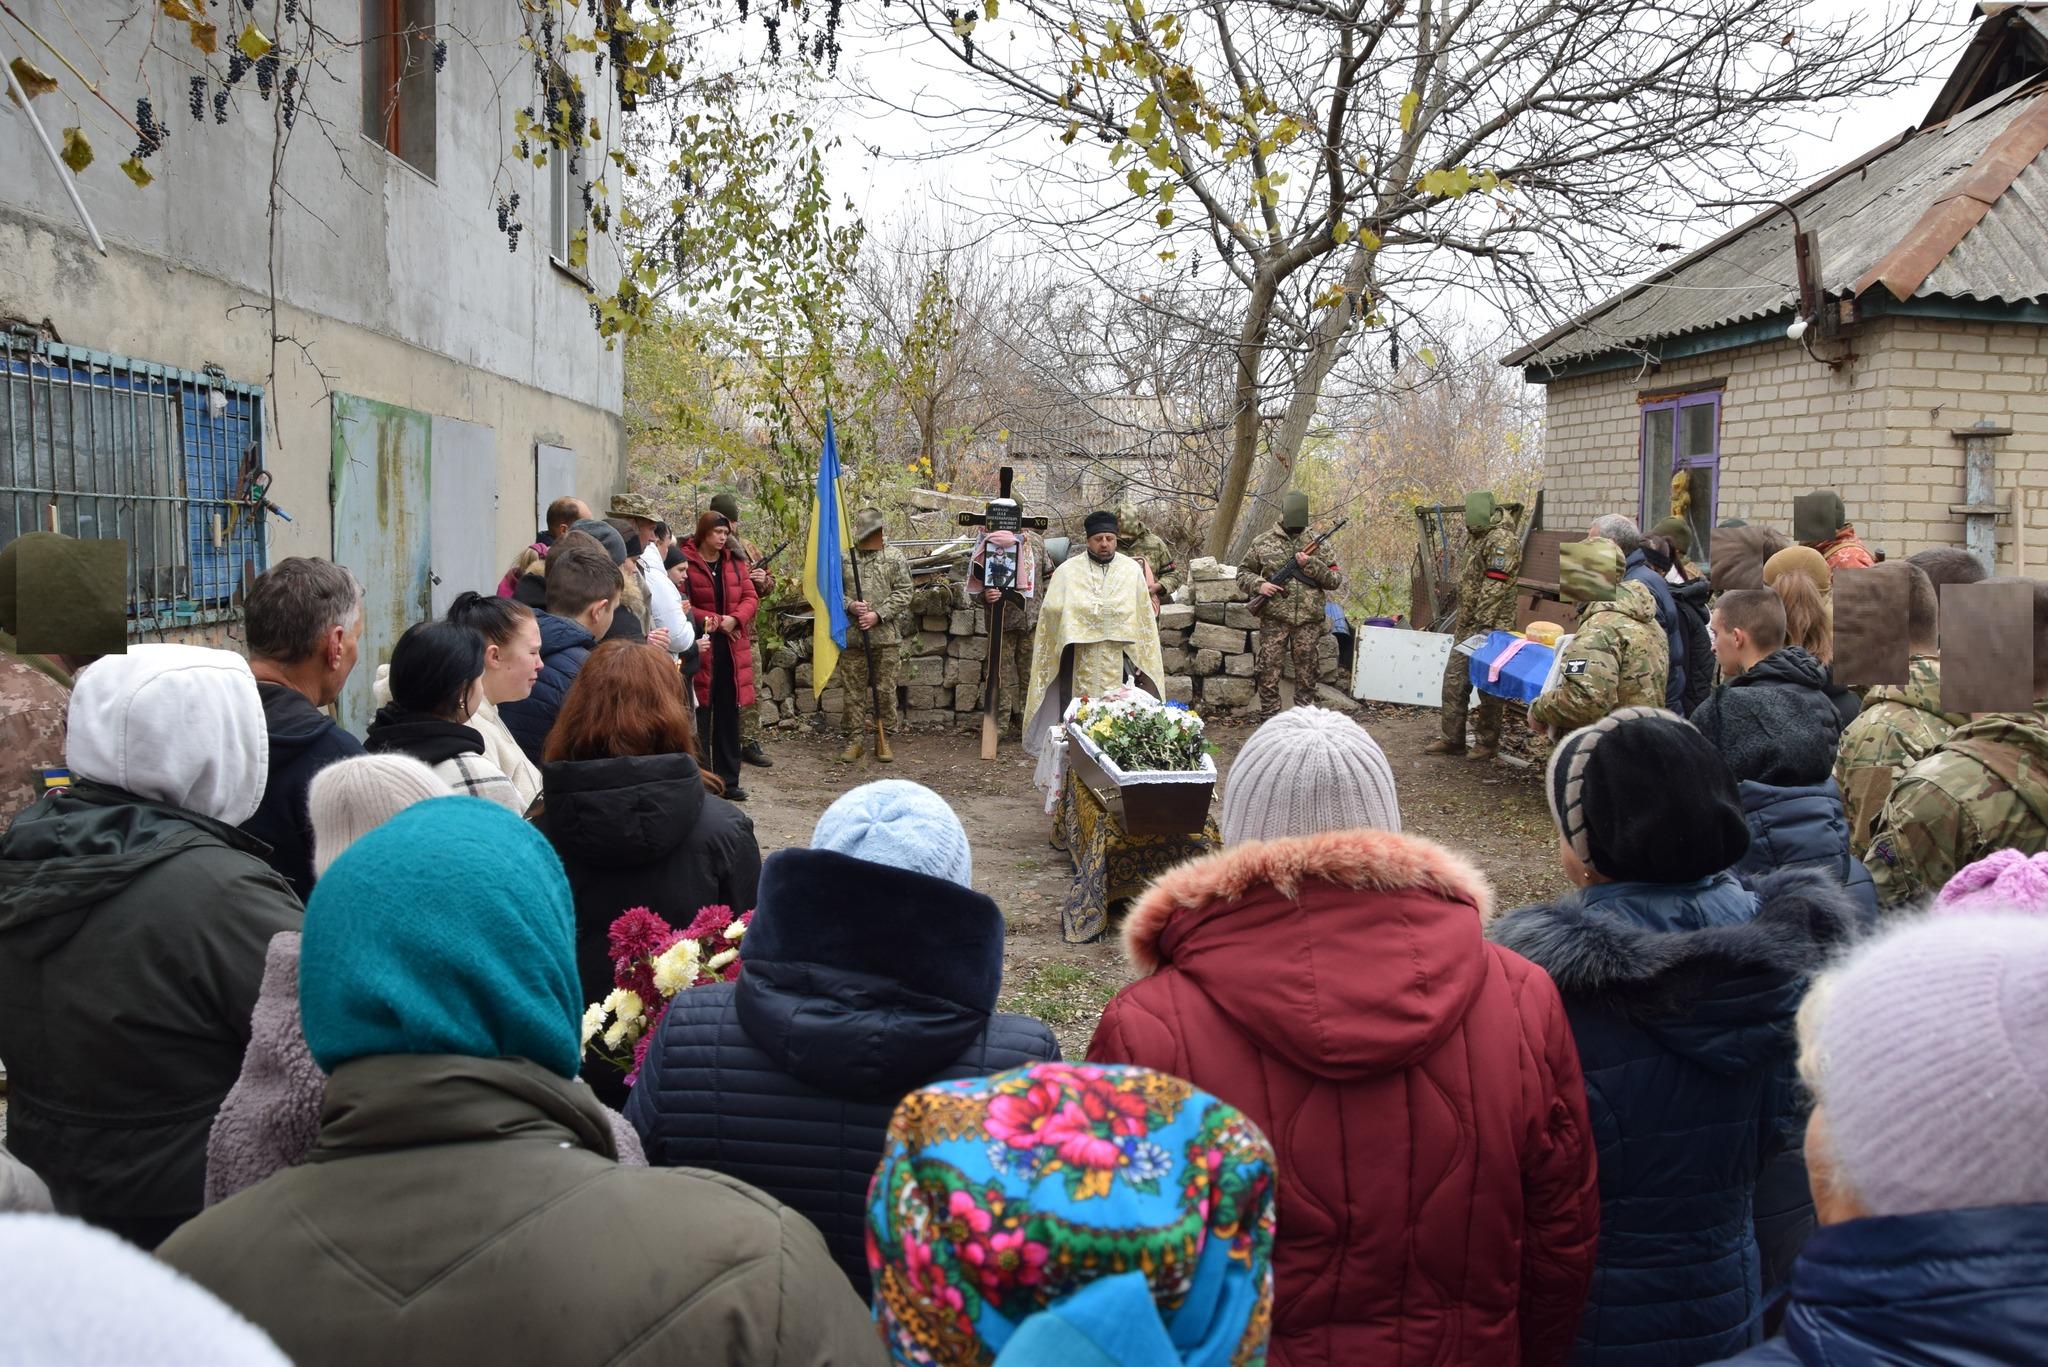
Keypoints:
pixel 1493 812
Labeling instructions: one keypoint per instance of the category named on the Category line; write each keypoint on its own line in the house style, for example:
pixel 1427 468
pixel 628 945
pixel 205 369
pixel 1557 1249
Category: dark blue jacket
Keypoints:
pixel 303 741
pixel 1958 1288
pixel 861 984
pixel 1645 574
pixel 564 646
pixel 1801 828
pixel 1682 1012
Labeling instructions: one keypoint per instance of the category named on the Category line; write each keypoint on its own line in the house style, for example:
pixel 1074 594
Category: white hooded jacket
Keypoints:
pixel 176 724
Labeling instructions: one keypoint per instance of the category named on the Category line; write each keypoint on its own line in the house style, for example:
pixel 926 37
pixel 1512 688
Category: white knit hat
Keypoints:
pixel 1307 771
pixel 352 797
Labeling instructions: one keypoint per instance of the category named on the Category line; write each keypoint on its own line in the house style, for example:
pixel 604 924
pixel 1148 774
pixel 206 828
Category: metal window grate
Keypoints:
pixel 134 451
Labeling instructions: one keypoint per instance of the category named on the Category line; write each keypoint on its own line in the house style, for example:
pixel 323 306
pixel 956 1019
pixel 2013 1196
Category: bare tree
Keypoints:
pixel 1348 162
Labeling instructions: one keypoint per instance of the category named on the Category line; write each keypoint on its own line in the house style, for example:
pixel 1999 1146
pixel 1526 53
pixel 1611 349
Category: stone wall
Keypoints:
pixel 1877 430
pixel 1206 645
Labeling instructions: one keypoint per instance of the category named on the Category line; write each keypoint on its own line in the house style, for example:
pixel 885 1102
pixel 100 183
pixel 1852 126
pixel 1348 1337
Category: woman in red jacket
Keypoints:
pixel 722 608
pixel 1327 975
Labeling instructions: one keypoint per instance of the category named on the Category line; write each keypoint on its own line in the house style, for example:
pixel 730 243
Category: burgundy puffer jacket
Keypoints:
pixel 721 590
pixel 1438 1201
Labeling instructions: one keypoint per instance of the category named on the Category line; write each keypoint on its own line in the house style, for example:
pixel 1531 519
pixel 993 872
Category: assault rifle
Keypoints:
pixel 765 561
pixel 1291 571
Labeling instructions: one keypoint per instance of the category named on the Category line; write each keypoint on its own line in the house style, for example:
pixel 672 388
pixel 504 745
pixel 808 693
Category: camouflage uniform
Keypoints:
pixel 1293 621
pixel 1136 541
pixel 1619 657
pixel 1486 602
pixel 1983 789
pixel 1899 727
pixel 32 710
pixel 885 579
pixel 1020 624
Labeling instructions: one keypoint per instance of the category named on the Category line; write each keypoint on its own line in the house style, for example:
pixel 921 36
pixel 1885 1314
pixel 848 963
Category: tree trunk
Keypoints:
pixel 1244 430
pixel 1277 471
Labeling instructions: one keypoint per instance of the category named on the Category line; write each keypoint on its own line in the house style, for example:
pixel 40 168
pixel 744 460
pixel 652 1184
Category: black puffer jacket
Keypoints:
pixel 303 741
pixel 640 831
pixel 862 983
pixel 564 646
pixel 1780 721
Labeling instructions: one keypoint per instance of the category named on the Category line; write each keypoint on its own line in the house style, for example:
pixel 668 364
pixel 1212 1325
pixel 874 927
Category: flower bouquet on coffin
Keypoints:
pixel 1150 763
pixel 651 962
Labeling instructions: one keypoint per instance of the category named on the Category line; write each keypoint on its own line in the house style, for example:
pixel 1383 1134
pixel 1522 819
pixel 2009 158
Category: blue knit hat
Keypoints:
pixel 449 929
pixel 902 824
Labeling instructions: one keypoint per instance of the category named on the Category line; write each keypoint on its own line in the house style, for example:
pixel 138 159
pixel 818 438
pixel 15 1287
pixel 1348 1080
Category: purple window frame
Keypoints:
pixel 1676 406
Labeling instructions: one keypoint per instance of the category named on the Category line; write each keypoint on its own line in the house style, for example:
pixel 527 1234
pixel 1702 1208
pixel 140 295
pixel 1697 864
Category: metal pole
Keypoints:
pixel 56 162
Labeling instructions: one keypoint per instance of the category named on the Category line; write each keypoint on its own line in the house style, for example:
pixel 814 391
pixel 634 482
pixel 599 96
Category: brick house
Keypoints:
pixel 1923 291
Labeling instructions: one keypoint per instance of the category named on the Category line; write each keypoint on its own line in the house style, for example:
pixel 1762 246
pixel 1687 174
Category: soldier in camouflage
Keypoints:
pixel 1983 789
pixel 1619 656
pixel 1144 546
pixel 872 621
pixel 1293 621
pixel 1486 602
pixel 1900 725
pixel 32 709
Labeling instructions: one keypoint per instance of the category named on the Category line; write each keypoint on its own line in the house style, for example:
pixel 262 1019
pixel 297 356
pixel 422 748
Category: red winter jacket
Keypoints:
pixel 1438 1203
pixel 738 601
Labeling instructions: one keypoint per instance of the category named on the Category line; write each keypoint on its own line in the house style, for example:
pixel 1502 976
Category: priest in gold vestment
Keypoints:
pixel 1097 610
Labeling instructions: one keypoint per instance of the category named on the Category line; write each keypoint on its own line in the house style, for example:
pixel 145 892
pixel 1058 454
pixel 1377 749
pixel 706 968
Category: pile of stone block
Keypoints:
pixel 1206 646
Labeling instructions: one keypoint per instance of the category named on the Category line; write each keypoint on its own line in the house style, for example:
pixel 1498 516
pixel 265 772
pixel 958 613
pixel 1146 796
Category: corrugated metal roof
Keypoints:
pixel 1862 214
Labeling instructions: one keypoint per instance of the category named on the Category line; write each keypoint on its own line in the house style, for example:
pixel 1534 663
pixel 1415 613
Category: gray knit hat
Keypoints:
pixel 1307 771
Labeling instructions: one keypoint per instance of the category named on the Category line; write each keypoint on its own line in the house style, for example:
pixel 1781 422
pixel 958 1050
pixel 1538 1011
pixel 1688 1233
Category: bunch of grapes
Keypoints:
pixel 266 74
pixel 238 65
pixel 440 54
pixel 154 134
pixel 288 96
pixel 220 106
pixel 197 102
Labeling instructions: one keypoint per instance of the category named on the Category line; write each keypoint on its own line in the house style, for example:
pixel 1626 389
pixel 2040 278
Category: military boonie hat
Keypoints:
pixel 633 505
pixel 867 522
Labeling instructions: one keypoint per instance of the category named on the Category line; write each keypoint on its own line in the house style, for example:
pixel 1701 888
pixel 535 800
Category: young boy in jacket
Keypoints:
pixel 583 588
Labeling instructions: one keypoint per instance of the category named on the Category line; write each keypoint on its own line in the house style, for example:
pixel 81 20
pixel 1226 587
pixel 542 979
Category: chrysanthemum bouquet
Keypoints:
pixel 651 962
pixel 1139 733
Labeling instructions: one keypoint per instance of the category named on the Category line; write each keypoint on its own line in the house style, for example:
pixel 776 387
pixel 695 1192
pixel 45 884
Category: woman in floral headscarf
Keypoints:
pixel 1073 1215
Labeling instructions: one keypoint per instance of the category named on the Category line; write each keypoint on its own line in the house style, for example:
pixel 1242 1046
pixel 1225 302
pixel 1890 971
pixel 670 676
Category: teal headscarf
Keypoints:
pixel 1071 1214
pixel 449 929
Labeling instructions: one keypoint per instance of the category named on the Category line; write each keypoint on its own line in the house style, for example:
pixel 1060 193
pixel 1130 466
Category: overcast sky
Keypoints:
pixel 893 186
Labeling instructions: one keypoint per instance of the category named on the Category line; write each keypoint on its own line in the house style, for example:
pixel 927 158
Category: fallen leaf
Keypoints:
pixel 77 151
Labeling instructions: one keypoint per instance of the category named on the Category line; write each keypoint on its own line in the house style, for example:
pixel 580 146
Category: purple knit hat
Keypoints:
pixel 2007 882
pixel 1933 1065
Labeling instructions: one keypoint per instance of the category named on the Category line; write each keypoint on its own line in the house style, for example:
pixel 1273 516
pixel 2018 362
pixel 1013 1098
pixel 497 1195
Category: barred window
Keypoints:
pixel 127 450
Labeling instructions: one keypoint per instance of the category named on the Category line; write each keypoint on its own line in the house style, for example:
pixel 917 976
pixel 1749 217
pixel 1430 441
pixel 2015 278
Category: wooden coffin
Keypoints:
pixel 1143 803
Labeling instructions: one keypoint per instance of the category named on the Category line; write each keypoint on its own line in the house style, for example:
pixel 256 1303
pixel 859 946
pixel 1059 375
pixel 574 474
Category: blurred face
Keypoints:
pixel 509 671
pixel 1102 545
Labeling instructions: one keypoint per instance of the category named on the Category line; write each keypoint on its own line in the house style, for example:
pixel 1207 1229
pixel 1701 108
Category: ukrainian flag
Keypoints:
pixel 824 579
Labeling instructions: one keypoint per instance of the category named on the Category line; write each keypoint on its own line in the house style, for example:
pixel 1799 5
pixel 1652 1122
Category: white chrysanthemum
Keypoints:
pixel 676 967
pixel 736 930
pixel 593 1021
pixel 721 959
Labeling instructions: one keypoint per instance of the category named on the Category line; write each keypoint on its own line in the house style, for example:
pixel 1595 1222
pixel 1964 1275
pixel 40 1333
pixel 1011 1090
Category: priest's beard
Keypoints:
pixel 1102 559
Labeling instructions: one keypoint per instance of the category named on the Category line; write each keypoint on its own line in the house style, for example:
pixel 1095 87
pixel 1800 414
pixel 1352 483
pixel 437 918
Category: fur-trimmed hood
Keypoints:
pixel 1721 995
pixel 1349 953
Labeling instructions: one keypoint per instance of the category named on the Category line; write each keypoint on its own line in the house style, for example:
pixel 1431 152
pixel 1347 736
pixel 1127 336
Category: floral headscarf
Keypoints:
pixel 1068 1205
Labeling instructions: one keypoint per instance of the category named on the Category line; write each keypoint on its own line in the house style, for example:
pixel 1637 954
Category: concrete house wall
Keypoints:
pixel 1877 430
pixel 397 285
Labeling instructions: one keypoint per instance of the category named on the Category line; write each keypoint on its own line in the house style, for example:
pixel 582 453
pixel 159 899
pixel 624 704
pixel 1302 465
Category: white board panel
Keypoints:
pixel 1390 664
pixel 462 503
pixel 554 474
